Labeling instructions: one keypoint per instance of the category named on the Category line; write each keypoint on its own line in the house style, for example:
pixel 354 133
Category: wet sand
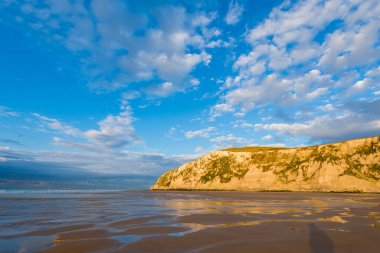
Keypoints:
pixel 144 221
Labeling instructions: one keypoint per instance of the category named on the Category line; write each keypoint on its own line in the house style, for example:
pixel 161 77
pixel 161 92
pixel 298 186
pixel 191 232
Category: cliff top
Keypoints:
pixel 272 148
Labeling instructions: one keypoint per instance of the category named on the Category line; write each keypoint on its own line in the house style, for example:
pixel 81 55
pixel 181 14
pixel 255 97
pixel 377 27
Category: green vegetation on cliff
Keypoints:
pixel 224 168
pixel 289 165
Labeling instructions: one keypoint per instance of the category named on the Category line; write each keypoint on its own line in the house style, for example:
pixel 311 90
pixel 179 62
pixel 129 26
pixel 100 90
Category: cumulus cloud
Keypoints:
pixel 347 49
pixel 234 12
pixel 114 131
pixel 120 45
pixel 360 119
pixel 309 54
pixel 274 89
pixel 370 81
pixel 287 39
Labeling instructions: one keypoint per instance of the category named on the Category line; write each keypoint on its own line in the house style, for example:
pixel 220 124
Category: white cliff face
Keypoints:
pixel 345 166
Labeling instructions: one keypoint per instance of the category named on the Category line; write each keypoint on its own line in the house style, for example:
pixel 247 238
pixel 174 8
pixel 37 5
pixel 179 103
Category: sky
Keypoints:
pixel 139 87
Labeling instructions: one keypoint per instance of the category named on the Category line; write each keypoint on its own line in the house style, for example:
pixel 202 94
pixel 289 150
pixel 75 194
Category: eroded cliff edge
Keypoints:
pixel 347 166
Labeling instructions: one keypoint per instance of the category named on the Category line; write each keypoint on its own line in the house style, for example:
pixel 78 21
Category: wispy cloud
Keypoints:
pixel 234 12
pixel 97 161
pixel 58 125
pixel 114 131
pixel 7 112
pixel 10 141
pixel 229 140
pixel 203 133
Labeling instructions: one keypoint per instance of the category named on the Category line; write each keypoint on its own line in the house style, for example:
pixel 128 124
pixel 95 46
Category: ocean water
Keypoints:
pixel 60 220
pixel 53 193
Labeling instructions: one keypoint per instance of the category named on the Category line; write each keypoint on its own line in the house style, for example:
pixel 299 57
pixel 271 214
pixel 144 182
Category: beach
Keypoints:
pixel 188 221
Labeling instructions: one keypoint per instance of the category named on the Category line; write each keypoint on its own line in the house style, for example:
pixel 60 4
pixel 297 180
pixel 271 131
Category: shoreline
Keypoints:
pixel 285 191
pixel 192 221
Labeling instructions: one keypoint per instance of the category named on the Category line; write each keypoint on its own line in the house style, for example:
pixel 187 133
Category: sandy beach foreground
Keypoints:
pixel 144 221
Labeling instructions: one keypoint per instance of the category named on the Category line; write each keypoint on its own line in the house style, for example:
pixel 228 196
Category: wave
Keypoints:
pixel 52 193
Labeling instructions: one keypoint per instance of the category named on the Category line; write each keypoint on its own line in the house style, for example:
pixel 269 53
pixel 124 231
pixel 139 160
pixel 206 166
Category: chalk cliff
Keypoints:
pixel 352 165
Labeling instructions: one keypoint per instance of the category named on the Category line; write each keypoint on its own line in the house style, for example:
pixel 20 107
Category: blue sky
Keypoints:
pixel 139 87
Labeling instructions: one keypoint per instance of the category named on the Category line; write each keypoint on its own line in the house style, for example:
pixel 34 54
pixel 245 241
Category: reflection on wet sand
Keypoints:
pixel 140 221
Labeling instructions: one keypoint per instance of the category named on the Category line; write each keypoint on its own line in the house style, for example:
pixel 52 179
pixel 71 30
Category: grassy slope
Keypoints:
pixel 252 149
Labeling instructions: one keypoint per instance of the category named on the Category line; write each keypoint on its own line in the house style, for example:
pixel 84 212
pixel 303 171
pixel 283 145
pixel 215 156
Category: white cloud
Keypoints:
pixel 219 109
pixel 353 48
pixel 300 21
pixel 278 145
pixel 172 133
pixel 305 55
pixel 375 72
pixel 228 140
pixel 59 126
pixel 242 124
pixel 218 43
pixel 275 89
pixel 327 107
pixel 369 81
pixel 130 95
pixel 234 12
pixel 203 133
pixel 252 93
pixel 329 127
pixel 198 149
pixel 6 112
pixel 316 93
pixel 222 108
pixel 120 46
pixel 161 90
pixel 287 37
pixel 267 137
pixel 98 160
pixel 167 88
pixel 114 130
pixel 195 82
